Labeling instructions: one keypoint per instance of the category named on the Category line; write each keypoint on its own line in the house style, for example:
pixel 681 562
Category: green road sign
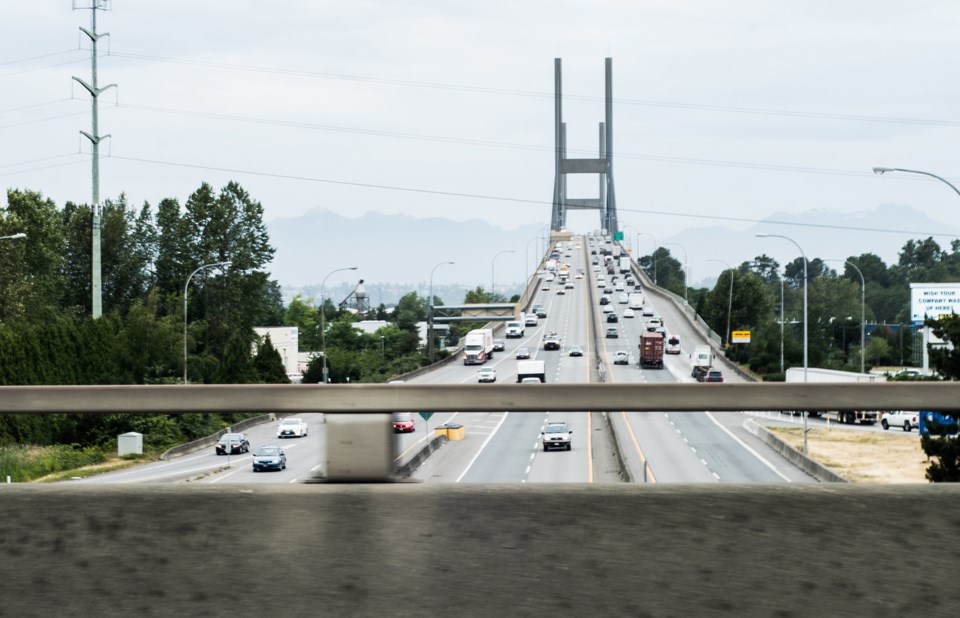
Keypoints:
pixel 426 415
pixel 618 235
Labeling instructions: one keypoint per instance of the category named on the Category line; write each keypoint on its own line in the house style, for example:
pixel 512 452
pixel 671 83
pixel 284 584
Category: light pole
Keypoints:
pixel 185 286
pixel 805 324
pixel 430 344
pixel 653 256
pixel 323 321
pixel 863 310
pixel 729 301
pixel 492 265
pixel 13 236
pixel 781 324
pixel 685 269
pixel 880 171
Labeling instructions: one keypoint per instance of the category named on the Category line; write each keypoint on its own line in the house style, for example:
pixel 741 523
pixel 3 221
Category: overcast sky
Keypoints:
pixel 734 108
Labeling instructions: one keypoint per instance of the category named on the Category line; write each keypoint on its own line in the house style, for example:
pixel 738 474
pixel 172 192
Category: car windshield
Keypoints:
pixel 556 429
pixel 268 451
pixel 291 421
pixel 230 437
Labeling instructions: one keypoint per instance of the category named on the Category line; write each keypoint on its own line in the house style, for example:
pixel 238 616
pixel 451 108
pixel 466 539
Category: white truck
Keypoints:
pixel 818 375
pixel 616 251
pixel 530 369
pixel 701 360
pixel 624 263
pixel 635 300
pixel 478 346
pixel 514 328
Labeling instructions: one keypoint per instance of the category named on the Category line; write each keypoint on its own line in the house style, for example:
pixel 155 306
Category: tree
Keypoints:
pixel 237 365
pixel 269 365
pixel 945 449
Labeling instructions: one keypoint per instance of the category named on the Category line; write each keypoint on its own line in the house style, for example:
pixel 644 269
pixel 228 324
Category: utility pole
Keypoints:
pixel 95 138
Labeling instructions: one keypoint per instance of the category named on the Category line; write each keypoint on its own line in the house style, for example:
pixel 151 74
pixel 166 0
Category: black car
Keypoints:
pixel 612 317
pixel 604 300
pixel 232 443
pixel 541 312
pixel 269 458
pixel 499 345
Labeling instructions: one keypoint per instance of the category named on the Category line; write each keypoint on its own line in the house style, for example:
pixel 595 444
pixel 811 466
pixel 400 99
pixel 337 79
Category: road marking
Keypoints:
pixel 636 444
pixel 293 481
pixel 483 446
pixel 749 450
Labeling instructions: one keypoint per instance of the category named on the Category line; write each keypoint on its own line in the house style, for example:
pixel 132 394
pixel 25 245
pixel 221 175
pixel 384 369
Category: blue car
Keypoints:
pixel 269 458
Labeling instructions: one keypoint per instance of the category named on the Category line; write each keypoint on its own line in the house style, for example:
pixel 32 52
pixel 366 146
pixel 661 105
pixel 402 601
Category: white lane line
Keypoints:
pixel 704 463
pixel 749 450
pixel 315 468
pixel 715 475
pixel 293 481
pixel 483 446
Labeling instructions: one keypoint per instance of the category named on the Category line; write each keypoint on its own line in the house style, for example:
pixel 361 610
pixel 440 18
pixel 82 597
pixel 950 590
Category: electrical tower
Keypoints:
pixel 606 203
pixel 95 138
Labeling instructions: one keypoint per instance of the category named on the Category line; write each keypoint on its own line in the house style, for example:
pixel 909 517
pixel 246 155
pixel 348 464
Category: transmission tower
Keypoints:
pixel 95 138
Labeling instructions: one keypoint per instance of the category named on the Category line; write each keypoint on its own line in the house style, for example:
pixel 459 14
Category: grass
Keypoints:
pixel 861 456
pixel 48 464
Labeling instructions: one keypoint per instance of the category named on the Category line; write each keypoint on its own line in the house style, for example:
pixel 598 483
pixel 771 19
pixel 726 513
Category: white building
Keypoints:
pixel 286 339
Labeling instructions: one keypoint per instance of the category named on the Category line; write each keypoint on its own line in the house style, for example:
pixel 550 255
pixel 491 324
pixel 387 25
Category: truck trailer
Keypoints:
pixel 624 264
pixel 478 346
pixel 817 375
pixel 651 351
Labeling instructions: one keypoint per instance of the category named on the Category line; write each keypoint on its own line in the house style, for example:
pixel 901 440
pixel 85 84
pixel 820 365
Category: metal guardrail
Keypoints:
pixel 379 398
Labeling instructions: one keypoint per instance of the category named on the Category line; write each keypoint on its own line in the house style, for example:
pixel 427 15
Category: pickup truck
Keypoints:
pixel 900 418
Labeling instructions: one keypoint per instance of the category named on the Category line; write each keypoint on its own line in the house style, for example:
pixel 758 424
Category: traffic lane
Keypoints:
pixel 562 466
pixel 506 457
pixel 670 457
pixel 206 461
pixel 451 462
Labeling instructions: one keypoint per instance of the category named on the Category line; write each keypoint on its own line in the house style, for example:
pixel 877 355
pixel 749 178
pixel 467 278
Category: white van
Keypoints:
pixel 673 345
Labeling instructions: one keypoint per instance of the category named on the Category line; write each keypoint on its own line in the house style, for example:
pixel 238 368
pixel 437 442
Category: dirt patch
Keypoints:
pixel 863 457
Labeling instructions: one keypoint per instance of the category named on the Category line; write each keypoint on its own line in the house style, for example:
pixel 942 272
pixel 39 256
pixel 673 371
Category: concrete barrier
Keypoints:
pixel 472 550
pixel 413 464
pixel 801 461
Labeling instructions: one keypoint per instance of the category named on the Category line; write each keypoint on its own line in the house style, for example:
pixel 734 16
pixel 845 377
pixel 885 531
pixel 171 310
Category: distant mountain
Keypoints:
pixel 396 253
pixel 820 233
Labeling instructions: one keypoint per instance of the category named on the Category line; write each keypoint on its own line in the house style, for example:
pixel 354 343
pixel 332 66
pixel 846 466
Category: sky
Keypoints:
pixel 444 108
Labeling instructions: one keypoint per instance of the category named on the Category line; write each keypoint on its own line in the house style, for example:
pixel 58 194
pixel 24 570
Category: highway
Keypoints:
pixel 504 447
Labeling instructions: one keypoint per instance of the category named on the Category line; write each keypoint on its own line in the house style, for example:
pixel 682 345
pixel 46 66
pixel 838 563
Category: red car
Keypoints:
pixel 403 422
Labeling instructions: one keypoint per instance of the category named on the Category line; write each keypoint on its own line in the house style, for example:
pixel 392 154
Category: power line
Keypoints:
pixel 528 93
pixel 72 154
pixel 59 53
pixel 500 198
pixel 34 105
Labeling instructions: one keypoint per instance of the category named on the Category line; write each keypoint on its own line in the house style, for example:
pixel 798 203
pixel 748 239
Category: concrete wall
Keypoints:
pixel 471 550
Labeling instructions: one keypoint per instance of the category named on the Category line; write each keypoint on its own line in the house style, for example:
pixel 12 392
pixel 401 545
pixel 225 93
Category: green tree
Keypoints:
pixel 945 450
pixel 237 365
pixel 269 365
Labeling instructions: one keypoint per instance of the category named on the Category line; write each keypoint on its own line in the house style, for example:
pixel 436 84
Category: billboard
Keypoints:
pixel 932 300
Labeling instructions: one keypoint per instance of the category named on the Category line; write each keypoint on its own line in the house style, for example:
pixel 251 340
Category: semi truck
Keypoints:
pixel 635 300
pixel 531 369
pixel 624 263
pixel 478 346
pixel 819 375
pixel 514 328
pixel 651 351
pixel 701 360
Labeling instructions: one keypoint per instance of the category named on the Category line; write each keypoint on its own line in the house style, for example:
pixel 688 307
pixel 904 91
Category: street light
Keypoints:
pixel 727 335
pixel 13 236
pixel 805 324
pixel 185 286
pixel 863 310
pixel 880 171
pixel 323 321
pixel 653 255
pixel 685 269
pixel 430 344
pixel 492 264
pixel 537 237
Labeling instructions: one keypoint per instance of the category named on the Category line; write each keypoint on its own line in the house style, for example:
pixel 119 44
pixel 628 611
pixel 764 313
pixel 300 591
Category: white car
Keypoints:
pixel 621 357
pixel 607 309
pixel 293 427
pixel 487 374
pixel 628 313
